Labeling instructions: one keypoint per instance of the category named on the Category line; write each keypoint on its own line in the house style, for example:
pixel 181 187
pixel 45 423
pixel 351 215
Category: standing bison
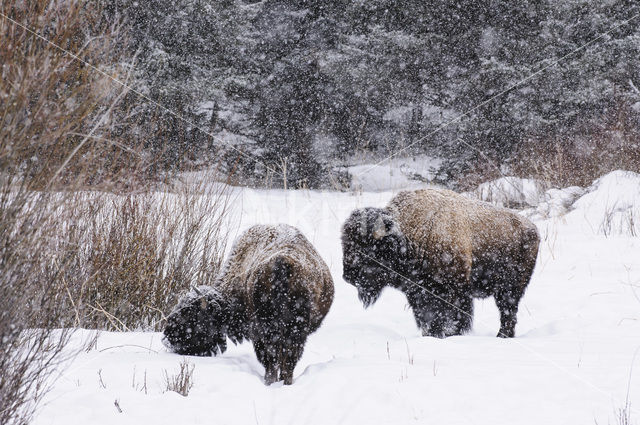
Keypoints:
pixel 442 250
pixel 273 290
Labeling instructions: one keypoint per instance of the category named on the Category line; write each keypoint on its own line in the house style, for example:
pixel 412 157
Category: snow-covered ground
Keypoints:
pixel 571 362
pixel 394 174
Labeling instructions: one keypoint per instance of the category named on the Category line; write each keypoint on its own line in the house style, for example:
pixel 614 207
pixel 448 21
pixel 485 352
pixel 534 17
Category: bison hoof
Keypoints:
pixel 506 334
pixel 435 334
pixel 270 377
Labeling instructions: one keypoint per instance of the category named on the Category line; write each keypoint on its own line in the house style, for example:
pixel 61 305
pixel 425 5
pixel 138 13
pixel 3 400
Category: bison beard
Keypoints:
pixel 441 250
pixel 274 290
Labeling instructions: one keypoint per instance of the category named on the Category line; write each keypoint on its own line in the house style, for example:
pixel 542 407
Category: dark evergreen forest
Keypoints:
pixel 314 85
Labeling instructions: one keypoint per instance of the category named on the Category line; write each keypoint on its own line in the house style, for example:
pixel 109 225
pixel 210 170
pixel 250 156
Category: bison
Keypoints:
pixel 274 290
pixel 442 250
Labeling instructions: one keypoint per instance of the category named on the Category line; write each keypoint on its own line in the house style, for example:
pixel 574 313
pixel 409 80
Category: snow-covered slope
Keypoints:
pixel 510 192
pixel 394 174
pixel 578 330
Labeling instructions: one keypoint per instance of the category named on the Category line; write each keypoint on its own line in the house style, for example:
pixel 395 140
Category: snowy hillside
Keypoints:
pixel 394 174
pixel 571 362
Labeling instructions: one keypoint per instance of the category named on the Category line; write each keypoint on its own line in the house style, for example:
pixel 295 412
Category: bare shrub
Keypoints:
pixel 181 382
pixel 30 348
pixel 575 158
pixel 55 114
pixel 580 158
pixel 112 262
pixel 480 170
pixel 69 257
pixel 133 255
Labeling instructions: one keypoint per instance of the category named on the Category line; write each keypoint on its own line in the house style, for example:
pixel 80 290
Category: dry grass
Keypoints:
pixel 574 159
pixel 623 415
pixel 564 163
pixel 93 260
pixel 181 382
pixel 138 252
pixel 592 151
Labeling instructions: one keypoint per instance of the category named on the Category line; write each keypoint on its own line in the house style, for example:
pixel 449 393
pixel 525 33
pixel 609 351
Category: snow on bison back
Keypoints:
pixel 442 250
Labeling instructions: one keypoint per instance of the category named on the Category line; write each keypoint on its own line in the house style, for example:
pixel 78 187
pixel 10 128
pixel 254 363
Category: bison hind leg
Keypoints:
pixel 459 316
pixel 507 296
pixel 267 354
pixel 279 359
pixel 282 320
pixel 516 278
pixel 510 290
pixel 293 336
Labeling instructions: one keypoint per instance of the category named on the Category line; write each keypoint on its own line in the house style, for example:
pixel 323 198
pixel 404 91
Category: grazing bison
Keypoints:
pixel 442 250
pixel 273 290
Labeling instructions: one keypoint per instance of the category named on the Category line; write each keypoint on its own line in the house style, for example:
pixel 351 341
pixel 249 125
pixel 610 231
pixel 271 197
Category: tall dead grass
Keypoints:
pixel 30 348
pixel 571 159
pixel 580 158
pixel 138 252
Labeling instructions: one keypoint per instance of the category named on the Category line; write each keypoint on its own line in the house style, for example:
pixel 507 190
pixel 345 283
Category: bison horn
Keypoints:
pixel 203 303
pixel 379 229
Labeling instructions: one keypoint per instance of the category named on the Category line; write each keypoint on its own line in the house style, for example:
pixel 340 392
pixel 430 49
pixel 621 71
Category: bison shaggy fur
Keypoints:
pixel 442 250
pixel 274 290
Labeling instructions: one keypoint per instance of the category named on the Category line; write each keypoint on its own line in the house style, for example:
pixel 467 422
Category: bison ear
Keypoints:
pixel 379 229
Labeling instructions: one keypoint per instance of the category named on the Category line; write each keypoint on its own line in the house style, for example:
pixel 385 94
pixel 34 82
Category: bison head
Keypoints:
pixel 197 325
pixel 374 250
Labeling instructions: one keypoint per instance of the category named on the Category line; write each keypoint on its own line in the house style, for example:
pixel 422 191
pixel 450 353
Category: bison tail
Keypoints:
pixel 290 299
pixel 530 245
pixel 282 303
pixel 531 241
pixel 282 272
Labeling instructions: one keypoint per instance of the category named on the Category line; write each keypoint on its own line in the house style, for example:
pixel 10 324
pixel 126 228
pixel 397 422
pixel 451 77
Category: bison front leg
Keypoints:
pixel 433 319
pixel 428 312
pixel 440 314
pixel 290 357
pixel 460 315
pixel 450 316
